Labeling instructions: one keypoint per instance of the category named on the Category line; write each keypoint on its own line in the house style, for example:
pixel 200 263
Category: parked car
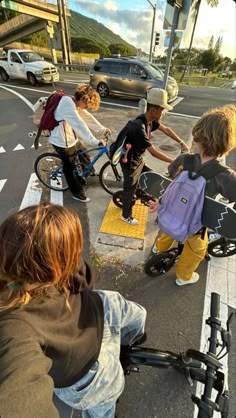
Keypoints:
pixel 27 65
pixel 234 85
pixel 128 76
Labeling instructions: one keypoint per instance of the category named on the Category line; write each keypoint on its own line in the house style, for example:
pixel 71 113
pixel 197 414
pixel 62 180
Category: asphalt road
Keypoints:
pixel 174 318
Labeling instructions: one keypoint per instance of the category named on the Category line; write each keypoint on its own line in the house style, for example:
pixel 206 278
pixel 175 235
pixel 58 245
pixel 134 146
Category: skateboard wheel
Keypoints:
pixel 128 146
pixel 124 160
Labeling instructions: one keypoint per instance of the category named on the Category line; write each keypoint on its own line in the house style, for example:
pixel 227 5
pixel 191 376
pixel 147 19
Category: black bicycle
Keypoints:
pixel 205 368
pixel 161 263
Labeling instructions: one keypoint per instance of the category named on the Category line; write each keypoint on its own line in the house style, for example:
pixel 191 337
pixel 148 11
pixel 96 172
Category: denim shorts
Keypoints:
pixel 97 392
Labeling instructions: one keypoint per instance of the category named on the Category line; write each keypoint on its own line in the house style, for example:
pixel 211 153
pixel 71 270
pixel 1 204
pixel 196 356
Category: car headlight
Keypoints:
pixel 39 72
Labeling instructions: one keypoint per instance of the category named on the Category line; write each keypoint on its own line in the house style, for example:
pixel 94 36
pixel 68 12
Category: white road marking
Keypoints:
pixel 33 192
pixel 18 147
pixel 20 96
pixel 2 150
pixel 2 182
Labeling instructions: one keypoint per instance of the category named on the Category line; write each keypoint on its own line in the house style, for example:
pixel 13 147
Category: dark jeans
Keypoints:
pixel 68 157
pixel 131 177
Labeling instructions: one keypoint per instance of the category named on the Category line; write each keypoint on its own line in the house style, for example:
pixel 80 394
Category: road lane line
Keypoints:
pixel 2 182
pixel 33 192
pixel 20 96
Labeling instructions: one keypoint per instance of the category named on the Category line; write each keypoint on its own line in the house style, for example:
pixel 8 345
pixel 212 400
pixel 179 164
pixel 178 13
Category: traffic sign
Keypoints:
pixel 177 39
pixel 183 15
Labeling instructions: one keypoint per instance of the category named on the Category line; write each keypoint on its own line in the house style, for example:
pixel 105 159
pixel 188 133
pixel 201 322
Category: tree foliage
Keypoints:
pixel 121 49
pixel 88 46
pixel 210 45
pixel 210 59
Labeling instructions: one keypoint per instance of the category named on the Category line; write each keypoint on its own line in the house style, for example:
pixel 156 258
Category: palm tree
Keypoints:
pixel 196 6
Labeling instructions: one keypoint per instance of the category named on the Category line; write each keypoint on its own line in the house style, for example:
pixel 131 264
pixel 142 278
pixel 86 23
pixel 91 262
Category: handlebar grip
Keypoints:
pixel 215 305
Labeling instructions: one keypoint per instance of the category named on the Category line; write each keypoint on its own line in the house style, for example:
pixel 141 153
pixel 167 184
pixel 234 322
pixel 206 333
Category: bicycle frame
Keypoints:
pixel 102 150
pixel 191 363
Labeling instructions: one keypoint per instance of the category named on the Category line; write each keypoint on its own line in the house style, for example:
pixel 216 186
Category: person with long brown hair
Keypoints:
pixel 57 333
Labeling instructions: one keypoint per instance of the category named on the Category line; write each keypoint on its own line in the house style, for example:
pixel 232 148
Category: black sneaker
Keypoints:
pixel 81 198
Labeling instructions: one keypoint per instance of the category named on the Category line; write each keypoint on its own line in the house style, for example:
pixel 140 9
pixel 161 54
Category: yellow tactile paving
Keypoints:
pixel 112 224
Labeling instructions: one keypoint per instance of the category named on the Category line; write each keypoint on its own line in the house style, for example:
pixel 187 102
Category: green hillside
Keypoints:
pixel 82 26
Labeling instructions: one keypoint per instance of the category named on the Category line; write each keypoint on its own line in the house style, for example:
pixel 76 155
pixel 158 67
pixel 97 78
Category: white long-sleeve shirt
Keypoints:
pixel 75 124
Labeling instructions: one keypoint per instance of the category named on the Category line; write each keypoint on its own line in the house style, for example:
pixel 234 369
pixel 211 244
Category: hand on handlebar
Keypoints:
pixel 102 143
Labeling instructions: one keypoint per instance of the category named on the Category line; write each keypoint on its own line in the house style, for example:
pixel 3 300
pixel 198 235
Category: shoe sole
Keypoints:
pixel 80 200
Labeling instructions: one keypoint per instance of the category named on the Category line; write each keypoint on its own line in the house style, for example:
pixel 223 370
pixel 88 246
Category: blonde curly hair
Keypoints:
pixel 215 131
pixel 88 95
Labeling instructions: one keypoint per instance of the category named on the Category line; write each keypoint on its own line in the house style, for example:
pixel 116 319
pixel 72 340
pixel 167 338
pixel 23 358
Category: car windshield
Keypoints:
pixel 30 56
pixel 154 71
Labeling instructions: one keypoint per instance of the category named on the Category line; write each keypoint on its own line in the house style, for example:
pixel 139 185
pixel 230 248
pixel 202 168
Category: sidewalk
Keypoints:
pixel 130 250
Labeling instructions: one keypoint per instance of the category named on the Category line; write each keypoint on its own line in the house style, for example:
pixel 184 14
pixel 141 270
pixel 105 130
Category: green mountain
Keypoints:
pixel 82 26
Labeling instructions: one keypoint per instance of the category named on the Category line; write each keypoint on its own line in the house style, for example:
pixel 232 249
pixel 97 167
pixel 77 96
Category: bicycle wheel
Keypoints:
pixel 159 264
pixel 222 247
pixel 111 178
pixel 48 168
pixel 118 199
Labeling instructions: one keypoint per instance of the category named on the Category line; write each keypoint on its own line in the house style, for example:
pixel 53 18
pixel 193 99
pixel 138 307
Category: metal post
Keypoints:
pixel 153 25
pixel 67 35
pixel 62 30
pixel 171 44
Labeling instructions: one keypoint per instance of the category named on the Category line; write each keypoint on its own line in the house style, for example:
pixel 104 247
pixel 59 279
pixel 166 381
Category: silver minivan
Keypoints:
pixel 128 76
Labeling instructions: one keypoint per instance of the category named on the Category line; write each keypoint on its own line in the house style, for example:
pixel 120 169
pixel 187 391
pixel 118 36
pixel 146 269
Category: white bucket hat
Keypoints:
pixel 158 97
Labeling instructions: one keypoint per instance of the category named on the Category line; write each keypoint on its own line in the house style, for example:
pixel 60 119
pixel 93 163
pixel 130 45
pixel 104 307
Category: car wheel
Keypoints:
pixel 4 75
pixel 103 90
pixel 31 79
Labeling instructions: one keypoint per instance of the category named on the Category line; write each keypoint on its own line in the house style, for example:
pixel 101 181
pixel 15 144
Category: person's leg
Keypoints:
pixel 163 242
pixel 193 253
pixel 129 188
pixel 68 156
pixel 97 392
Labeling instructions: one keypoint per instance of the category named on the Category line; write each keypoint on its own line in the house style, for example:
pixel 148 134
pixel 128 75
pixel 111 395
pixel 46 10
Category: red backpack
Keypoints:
pixel 47 121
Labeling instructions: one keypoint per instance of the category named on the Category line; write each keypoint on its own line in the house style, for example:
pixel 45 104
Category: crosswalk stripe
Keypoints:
pixel 32 194
pixel 2 182
pixel 18 147
pixel 2 150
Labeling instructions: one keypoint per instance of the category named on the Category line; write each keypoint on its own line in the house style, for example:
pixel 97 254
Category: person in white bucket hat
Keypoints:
pixel 139 136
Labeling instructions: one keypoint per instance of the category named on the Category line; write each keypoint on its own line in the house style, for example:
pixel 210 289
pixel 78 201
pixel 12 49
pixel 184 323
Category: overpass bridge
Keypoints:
pixel 34 16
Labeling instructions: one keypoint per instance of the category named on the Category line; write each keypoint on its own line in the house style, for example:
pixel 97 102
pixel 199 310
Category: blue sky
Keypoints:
pixel 132 20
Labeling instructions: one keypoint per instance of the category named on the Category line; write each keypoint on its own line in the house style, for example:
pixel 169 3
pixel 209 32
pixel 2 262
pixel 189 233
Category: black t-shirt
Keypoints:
pixel 138 137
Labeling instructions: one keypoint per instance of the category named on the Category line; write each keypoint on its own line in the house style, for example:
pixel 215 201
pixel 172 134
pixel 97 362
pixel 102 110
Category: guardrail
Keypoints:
pixel 83 68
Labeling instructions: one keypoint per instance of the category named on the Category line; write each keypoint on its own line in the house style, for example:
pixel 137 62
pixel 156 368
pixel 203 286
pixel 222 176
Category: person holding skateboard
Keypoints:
pixel 214 134
pixel 139 136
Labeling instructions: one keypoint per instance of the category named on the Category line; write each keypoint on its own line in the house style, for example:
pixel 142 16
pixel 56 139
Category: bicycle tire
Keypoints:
pixel 222 247
pixel 111 178
pixel 159 264
pixel 47 170
pixel 135 356
pixel 118 199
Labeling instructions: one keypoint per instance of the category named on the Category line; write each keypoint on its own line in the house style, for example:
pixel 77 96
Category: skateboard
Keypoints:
pixel 215 215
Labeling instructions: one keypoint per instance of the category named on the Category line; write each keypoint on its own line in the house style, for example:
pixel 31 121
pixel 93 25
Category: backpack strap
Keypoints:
pixel 209 170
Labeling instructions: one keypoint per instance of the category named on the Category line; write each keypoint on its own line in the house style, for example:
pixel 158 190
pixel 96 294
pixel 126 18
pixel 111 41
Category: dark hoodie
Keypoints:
pixel 45 345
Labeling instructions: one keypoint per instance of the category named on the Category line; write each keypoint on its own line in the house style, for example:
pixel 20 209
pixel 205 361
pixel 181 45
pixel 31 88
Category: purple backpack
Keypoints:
pixel 181 205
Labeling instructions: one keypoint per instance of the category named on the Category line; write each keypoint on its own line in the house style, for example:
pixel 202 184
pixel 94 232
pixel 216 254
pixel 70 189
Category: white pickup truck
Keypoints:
pixel 27 65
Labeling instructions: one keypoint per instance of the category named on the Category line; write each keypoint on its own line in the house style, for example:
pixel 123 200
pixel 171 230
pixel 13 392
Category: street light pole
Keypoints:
pixel 153 25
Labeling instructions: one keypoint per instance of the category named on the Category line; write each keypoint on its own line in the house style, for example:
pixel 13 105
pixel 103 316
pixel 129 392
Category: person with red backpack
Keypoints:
pixel 73 129
pixel 214 135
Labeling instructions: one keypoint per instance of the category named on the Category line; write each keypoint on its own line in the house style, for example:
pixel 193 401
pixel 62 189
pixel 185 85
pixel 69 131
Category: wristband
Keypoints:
pixel 181 142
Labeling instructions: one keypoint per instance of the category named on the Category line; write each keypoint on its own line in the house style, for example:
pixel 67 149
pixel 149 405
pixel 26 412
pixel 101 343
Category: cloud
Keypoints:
pixel 133 25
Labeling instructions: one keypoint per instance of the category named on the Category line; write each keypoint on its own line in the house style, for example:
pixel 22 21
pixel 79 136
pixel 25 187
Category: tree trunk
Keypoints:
pixel 191 40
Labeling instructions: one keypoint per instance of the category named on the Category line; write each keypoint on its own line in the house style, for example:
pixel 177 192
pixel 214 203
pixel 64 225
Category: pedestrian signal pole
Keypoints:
pixel 177 4
pixel 153 24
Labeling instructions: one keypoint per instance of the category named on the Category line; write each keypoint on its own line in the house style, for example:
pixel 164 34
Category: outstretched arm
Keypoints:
pixel 26 389
pixel 171 134
pixel 157 154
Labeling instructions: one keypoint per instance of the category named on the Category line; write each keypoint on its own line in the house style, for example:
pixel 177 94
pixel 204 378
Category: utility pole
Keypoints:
pixel 171 43
pixel 62 31
pixel 67 32
pixel 153 25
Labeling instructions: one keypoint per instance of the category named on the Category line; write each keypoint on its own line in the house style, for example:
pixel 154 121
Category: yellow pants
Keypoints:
pixel 193 253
